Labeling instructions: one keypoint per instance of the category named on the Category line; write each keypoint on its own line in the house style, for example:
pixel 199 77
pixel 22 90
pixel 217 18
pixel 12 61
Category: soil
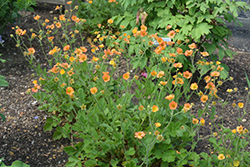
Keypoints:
pixel 22 136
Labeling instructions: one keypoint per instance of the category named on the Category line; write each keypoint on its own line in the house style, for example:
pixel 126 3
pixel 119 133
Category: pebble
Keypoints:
pixel 244 120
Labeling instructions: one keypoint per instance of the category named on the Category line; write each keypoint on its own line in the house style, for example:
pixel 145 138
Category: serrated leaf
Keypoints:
pixel 57 135
pixel 201 29
pixel 47 127
pixel 69 150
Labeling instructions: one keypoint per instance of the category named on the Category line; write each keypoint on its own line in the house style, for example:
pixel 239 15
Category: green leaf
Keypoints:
pixel 209 47
pixel 143 62
pixel 201 29
pixel 212 140
pixel 204 155
pixel 57 135
pixel 69 150
pixel 131 151
pixel 114 162
pixel 72 161
pixel 229 53
pixel 47 127
pixel 90 162
pixel 19 164
pixel 3 82
pixel 221 54
pixel 169 156
pixel 2 116
pixel 248 82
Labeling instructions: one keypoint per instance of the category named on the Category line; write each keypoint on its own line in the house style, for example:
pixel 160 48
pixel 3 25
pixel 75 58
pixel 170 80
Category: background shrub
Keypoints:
pixel 98 12
pixel 9 10
pixel 200 21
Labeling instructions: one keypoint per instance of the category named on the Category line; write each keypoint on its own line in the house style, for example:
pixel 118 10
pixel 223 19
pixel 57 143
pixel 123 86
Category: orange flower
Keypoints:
pixel 55 69
pixel 82 57
pixel 168 27
pixel 73 17
pixel 233 131
pixel 139 135
pixel 143 33
pixel 204 98
pixel 143 28
pixel 172 54
pixel 188 53
pixel 240 129
pixel 195 121
pixel 192 46
pixel 160 74
pixel 179 81
pixel 155 108
pixel 69 91
pixel 95 59
pixel 207 79
pixel 194 86
pixel 63 84
pixel 31 51
pixel 172 105
pixel 106 78
pixel 65 65
pixel 157 133
pixel 170 97
pixel 141 107
pixel 210 86
pixel 177 65
pixel 93 90
pixel 71 59
pixel 36 87
pixel 221 157
pixel 62 18
pixel 202 122
pixel 163 83
pixel 134 31
pixel 187 106
pixel 153 73
pixel 110 21
pixel 51 38
pixel 179 51
pixel 171 34
pixel 157 124
pixel 204 54
pixel 37 17
pixel 70 73
pixel 215 74
pixel 57 7
pixel 126 76
pixel 69 2
pixel 58 25
pixel 187 74
pixel 65 48
pixel 158 50
pixel 241 105
pixel 160 40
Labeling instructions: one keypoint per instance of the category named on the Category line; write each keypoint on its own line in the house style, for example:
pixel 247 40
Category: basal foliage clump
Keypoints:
pixel 128 118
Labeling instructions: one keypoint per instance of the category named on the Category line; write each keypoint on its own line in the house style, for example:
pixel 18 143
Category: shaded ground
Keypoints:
pixel 22 136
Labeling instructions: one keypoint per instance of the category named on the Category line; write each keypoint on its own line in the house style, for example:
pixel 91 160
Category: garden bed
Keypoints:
pixel 22 135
